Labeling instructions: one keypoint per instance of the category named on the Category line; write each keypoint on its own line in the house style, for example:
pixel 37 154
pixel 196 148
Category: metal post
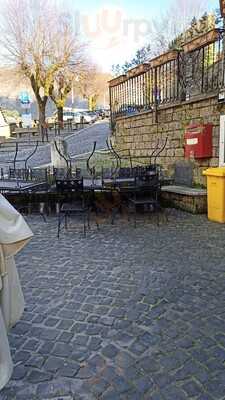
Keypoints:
pixel 155 99
pixel 110 105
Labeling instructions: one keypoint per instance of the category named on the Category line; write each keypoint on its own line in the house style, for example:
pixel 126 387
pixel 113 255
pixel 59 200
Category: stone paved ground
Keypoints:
pixel 122 314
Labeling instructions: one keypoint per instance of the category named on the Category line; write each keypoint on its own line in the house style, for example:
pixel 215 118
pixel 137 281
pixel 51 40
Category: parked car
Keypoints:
pixel 68 116
pixel 107 113
pixel 87 118
pixel 101 113
pixel 93 115
pixel 77 117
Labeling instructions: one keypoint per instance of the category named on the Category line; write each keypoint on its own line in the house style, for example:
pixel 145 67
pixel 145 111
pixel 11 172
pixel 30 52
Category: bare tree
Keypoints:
pixel 59 91
pixel 94 84
pixel 64 80
pixel 174 22
pixel 39 39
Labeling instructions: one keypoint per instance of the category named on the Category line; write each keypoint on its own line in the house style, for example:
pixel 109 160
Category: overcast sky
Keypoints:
pixel 116 29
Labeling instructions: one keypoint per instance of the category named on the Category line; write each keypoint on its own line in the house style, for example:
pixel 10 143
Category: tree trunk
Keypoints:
pixel 60 115
pixel 41 107
pixel 41 117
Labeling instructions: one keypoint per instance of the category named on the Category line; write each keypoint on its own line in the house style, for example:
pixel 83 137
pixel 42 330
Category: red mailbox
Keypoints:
pixel 198 141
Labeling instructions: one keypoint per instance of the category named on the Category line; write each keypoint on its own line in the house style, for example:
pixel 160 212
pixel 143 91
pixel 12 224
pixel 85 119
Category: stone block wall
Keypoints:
pixel 192 204
pixel 140 133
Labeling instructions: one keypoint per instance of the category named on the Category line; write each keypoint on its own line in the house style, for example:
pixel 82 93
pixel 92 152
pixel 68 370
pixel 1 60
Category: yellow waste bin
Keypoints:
pixel 216 193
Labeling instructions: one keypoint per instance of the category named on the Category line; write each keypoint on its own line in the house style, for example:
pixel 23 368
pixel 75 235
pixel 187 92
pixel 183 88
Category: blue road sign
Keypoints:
pixel 24 97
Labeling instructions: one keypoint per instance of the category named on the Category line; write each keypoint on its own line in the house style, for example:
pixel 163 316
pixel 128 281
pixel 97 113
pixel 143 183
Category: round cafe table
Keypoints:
pixel 14 234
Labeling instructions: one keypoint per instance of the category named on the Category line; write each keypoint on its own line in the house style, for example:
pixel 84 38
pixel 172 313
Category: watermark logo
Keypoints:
pixel 110 26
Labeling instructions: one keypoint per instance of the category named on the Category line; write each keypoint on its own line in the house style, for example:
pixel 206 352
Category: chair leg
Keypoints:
pixel 41 210
pixel 97 224
pixel 88 219
pixel 166 219
pixel 128 216
pixel 128 212
pixel 96 217
pixel 59 224
pixel 157 217
pixel 66 221
pixel 84 221
pixel 114 211
pixel 29 208
pixel 57 207
pixel 43 216
pixel 135 216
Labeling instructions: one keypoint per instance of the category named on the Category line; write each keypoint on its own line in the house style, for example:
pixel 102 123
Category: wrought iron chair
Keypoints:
pixel 146 191
pixel 18 173
pixel 72 190
pixel 37 196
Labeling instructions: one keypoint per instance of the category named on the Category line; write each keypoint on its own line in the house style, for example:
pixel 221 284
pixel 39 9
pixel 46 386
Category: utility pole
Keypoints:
pixel 72 95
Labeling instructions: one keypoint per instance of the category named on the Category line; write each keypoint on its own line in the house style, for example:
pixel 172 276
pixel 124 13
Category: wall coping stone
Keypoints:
pixel 197 99
pixel 184 190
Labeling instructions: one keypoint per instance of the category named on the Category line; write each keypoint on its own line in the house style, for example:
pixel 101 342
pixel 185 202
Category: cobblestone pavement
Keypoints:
pixel 123 314
pixel 78 143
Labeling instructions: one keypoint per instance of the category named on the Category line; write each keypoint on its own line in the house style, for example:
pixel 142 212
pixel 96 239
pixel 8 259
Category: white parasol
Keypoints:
pixel 14 234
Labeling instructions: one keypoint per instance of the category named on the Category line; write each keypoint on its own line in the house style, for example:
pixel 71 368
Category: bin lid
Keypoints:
pixel 219 171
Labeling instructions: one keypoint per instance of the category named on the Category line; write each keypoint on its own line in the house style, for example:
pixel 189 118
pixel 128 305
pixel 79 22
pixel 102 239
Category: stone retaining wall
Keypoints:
pixel 139 133
pixel 192 204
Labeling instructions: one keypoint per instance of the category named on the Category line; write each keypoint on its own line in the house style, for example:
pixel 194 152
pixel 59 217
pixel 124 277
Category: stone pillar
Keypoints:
pixel 57 160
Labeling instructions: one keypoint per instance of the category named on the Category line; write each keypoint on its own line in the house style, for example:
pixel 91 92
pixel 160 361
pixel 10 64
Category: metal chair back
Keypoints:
pixel 39 174
pixel 30 174
pixel 18 173
pixel 67 186
pixel 147 179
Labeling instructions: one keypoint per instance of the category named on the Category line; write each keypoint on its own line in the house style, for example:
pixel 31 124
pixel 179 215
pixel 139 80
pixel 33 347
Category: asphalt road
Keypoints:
pixel 83 141
pixel 78 143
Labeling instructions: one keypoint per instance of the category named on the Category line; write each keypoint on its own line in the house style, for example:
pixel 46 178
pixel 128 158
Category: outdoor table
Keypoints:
pixel 10 185
pixel 105 184
pixel 119 181
pixel 109 184
pixel 14 234
pixel 92 184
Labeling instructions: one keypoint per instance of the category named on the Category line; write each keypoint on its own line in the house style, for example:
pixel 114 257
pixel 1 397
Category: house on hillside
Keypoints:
pixel 4 127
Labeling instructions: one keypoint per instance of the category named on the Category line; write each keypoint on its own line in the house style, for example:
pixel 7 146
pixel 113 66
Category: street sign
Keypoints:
pixel 222 7
pixel 25 106
pixel 24 97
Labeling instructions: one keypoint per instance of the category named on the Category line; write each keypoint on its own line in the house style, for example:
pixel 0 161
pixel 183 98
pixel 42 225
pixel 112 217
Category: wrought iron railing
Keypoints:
pixel 173 77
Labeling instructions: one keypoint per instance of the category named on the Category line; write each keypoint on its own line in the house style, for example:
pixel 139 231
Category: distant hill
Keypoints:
pixel 12 84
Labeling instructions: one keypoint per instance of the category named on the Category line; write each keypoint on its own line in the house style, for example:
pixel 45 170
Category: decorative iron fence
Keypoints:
pixel 172 77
